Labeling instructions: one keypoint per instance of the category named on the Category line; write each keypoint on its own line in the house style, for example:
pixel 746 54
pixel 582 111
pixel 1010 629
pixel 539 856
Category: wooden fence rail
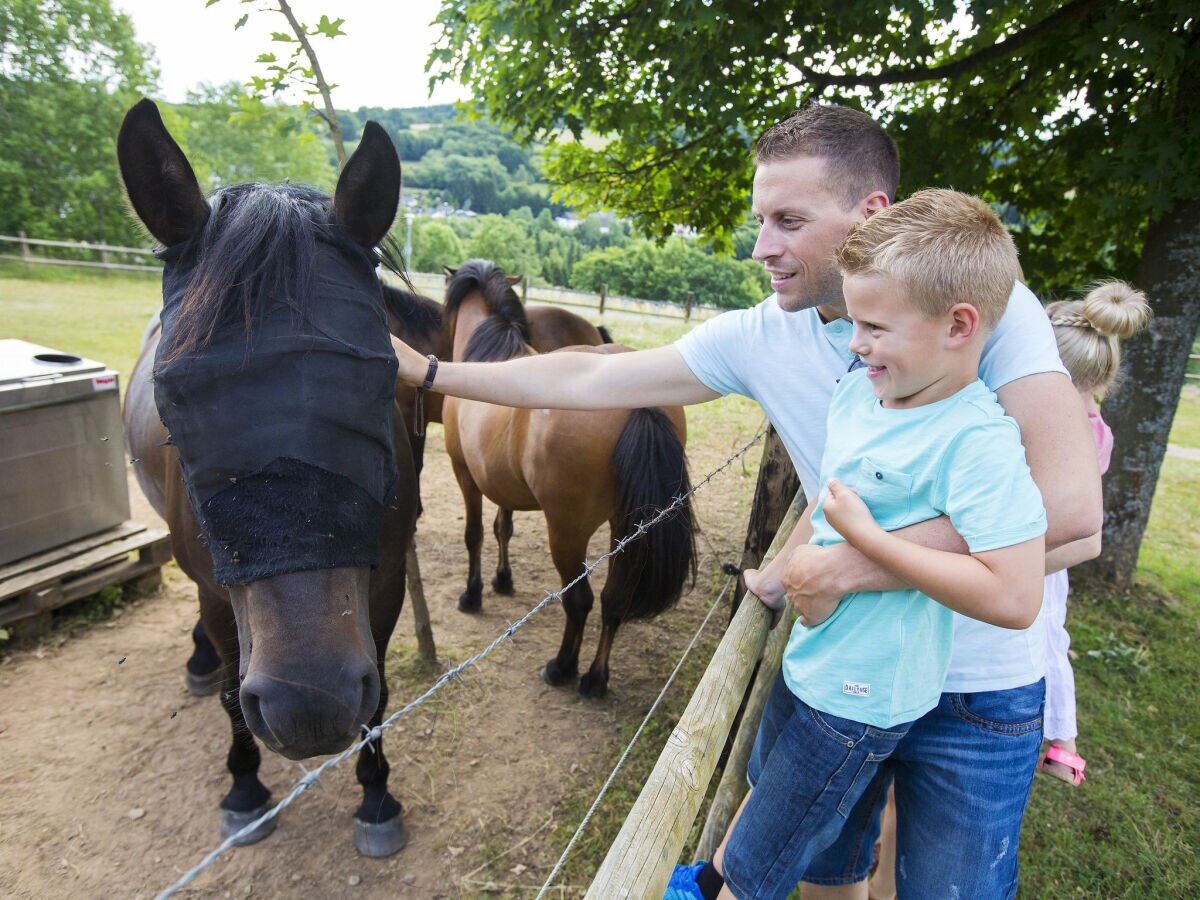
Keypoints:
pixel 26 256
pixel 640 860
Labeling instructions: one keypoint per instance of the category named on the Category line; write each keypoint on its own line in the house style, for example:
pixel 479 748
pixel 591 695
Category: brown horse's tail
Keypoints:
pixel 648 576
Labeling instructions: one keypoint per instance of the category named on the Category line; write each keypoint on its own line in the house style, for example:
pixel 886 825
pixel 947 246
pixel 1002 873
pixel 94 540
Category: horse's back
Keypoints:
pixel 145 433
pixel 552 327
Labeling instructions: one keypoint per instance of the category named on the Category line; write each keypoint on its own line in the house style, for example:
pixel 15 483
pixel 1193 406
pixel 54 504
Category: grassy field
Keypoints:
pixel 1130 831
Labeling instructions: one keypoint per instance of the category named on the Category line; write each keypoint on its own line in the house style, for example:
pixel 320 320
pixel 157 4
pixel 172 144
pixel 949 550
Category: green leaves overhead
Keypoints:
pixel 1068 112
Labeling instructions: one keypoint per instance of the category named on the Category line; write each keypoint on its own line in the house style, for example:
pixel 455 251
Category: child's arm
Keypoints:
pixel 1002 587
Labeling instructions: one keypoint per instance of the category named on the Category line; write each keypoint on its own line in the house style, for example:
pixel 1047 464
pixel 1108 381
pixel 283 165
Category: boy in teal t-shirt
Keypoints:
pixel 913 435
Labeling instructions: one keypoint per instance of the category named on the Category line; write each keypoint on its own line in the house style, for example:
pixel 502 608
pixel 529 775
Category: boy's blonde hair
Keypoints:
pixel 945 247
pixel 1089 332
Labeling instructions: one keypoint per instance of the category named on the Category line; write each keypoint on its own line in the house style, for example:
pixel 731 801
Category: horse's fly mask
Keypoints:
pixel 285 432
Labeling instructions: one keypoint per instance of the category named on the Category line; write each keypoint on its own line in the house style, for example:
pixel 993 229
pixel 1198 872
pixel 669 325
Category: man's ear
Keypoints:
pixel 874 202
pixel 964 324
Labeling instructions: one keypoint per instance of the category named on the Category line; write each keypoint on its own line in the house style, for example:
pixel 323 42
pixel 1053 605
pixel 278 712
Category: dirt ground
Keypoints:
pixel 112 773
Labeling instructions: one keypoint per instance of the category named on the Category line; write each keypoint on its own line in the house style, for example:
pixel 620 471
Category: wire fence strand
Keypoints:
pixel 311 778
pixel 636 735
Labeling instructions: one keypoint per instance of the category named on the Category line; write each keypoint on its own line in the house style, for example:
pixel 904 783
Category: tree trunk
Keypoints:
pixel 1140 411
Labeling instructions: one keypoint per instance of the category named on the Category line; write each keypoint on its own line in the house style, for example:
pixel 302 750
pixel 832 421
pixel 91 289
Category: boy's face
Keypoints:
pixel 906 354
pixel 801 223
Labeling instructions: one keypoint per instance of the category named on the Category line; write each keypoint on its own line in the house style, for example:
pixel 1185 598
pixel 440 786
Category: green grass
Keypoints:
pixel 1185 430
pixel 93 316
pixel 1131 830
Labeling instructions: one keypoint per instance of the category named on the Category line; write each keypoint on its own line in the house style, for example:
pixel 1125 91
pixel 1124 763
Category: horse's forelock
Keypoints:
pixel 489 279
pixel 259 241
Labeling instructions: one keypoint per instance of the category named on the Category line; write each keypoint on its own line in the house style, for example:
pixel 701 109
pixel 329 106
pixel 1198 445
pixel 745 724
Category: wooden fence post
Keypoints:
pixel 687 315
pixel 104 262
pixel 640 860
pixel 25 255
pixel 524 288
pixel 777 480
pixel 603 295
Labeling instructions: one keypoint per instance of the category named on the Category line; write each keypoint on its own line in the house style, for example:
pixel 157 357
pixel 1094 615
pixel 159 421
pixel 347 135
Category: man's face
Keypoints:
pixel 800 225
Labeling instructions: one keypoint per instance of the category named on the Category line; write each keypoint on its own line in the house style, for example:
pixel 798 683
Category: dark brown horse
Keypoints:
pixel 581 468
pixel 264 430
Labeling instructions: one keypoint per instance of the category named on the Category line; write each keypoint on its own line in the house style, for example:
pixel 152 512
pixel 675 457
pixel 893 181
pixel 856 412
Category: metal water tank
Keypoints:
pixel 62 453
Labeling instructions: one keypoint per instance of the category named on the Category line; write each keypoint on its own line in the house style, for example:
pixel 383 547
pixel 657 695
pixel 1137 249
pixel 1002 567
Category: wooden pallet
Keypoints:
pixel 32 587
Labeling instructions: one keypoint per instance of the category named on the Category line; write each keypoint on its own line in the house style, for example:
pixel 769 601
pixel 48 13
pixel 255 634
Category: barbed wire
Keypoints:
pixel 636 735
pixel 370 734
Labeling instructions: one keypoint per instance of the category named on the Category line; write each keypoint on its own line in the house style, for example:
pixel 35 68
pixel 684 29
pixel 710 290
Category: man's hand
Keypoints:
pixel 811 583
pixel 769 590
pixel 846 512
pixel 413 365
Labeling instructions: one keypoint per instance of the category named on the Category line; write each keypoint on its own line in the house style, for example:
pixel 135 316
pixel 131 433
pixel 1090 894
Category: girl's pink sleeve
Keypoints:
pixel 1104 440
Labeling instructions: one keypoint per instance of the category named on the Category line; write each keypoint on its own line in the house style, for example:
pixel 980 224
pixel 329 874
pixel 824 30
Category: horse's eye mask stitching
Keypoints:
pixel 286 442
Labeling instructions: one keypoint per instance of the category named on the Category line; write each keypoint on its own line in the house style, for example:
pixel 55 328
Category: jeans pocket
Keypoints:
pixel 862 780
pixel 1014 711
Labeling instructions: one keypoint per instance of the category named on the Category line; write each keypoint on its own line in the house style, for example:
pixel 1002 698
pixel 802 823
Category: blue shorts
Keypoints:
pixel 806 786
pixel 963 774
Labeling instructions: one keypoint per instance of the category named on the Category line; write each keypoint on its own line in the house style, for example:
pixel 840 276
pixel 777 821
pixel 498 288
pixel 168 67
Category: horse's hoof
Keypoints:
pixel 377 839
pixel 233 821
pixel 502 583
pixel 593 686
pixel 554 673
pixel 205 684
pixel 469 604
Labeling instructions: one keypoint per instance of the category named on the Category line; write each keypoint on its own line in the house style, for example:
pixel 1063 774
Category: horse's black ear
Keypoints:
pixel 513 280
pixel 159 180
pixel 368 191
pixel 449 271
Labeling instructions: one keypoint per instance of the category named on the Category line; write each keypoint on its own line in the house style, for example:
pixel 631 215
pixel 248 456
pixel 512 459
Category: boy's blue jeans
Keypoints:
pixel 963 774
pixel 806 782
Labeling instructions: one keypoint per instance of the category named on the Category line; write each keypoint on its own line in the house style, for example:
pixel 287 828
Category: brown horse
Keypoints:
pixel 417 320
pixel 263 427
pixel 581 468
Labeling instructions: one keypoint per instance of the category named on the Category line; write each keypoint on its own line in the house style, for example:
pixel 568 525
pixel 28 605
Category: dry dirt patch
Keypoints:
pixel 112 773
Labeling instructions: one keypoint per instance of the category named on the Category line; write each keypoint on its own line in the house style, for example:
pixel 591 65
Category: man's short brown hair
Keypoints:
pixel 945 247
pixel 860 157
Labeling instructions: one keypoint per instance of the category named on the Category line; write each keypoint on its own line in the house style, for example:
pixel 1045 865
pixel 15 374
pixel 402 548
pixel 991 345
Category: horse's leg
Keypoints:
pixel 471 599
pixel 378 822
pixel 204 665
pixel 502 528
pixel 568 548
pixel 594 683
pixel 248 798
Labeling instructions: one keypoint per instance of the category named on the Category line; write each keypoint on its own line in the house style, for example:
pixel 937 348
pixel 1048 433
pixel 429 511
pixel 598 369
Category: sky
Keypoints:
pixel 379 61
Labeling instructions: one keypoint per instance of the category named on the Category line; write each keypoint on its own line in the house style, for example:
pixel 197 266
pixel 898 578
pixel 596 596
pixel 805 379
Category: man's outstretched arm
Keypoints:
pixel 565 380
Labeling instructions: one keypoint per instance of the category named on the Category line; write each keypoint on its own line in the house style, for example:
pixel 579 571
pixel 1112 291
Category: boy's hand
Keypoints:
pixel 771 592
pixel 846 512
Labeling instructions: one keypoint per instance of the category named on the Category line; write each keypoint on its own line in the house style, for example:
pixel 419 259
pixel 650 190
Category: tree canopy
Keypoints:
pixel 1079 118
pixel 69 69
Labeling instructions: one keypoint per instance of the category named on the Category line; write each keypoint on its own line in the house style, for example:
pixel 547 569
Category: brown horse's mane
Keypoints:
pixel 505 332
pixel 418 320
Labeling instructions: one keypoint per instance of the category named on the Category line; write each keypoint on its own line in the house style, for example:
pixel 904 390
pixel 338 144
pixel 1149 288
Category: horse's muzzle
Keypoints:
pixel 310 678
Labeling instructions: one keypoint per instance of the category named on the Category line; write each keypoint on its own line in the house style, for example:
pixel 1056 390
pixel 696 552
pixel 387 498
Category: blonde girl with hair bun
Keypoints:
pixel 1089 334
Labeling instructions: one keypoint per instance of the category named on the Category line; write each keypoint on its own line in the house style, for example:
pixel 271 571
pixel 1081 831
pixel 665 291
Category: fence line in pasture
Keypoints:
pixel 25 256
pixel 435 285
pixel 638 733
pixel 641 858
pixel 454 672
pixel 428 282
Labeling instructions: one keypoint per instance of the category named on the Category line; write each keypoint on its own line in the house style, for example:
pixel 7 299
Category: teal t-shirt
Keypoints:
pixel 881 658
